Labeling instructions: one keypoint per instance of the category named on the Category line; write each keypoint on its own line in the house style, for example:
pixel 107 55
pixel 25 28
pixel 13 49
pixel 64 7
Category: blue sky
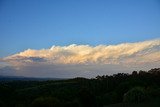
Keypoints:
pixel 38 24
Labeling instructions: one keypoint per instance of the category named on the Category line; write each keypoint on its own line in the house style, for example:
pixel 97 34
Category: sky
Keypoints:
pixel 69 38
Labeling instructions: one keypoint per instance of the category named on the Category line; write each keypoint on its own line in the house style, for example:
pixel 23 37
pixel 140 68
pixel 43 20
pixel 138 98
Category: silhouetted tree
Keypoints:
pixel 134 73
pixel 135 95
pixel 46 102
pixel 86 98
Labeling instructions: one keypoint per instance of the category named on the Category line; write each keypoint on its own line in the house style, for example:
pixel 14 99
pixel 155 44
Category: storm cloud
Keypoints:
pixel 85 60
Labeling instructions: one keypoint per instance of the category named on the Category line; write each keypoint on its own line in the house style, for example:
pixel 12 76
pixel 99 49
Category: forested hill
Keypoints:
pixel 140 87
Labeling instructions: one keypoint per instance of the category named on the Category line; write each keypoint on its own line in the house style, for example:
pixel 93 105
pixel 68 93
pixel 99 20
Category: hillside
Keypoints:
pixel 138 89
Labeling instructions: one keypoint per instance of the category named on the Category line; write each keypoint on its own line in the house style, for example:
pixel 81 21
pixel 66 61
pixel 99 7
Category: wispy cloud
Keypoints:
pixel 82 59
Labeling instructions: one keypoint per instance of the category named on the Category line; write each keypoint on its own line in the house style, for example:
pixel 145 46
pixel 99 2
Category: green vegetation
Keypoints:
pixel 135 95
pixel 46 102
pixel 139 89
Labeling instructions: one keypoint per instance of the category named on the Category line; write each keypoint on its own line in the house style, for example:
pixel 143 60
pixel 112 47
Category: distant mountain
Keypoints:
pixel 21 78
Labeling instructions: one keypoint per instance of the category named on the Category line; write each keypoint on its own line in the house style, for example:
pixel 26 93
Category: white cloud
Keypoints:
pixel 104 54
pixel 83 59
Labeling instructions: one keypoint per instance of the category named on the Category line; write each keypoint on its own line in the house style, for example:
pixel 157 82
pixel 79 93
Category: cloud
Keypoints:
pixel 101 54
pixel 85 60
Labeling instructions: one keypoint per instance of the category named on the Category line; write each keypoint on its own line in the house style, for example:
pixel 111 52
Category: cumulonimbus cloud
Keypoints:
pixel 140 52
pixel 74 56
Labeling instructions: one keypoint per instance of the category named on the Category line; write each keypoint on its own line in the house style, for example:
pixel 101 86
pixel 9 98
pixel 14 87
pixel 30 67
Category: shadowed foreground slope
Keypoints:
pixel 139 89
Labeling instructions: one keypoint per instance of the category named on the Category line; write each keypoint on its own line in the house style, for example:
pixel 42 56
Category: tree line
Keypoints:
pixel 137 87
